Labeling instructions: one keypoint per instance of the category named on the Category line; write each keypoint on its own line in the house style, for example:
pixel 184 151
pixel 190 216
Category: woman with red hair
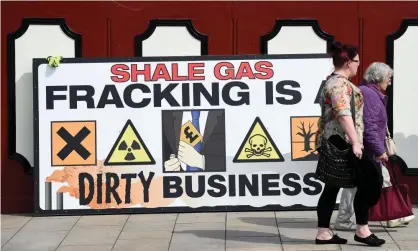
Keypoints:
pixel 341 124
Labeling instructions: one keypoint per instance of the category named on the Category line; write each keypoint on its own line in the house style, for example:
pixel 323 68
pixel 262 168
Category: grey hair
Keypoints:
pixel 377 72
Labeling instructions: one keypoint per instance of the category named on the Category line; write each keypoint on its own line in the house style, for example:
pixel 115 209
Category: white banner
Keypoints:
pixel 177 134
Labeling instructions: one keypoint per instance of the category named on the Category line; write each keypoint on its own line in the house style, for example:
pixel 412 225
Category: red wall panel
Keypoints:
pixel 17 187
pixel 108 29
pixel 209 18
pixel 335 18
pixel 378 22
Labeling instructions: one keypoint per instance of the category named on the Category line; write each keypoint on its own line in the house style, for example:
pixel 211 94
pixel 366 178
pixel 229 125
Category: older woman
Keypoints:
pixel 377 78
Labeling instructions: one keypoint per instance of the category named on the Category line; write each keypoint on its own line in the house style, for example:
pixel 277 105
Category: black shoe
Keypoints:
pixel 370 240
pixel 334 240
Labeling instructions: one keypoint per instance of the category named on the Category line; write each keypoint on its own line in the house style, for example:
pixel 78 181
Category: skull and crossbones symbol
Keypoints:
pixel 258 146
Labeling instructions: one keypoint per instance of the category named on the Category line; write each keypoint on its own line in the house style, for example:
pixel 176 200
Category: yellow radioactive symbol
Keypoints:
pixel 129 149
pixel 258 146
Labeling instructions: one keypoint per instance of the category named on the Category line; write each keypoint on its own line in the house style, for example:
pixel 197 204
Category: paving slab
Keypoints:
pixel 14 221
pixel 153 217
pixel 257 221
pixel 295 216
pixel 140 235
pixel 251 231
pixel 50 224
pixel 265 231
pixel 235 215
pixel 92 235
pixel 143 245
pixel 408 245
pixel 7 234
pixel 298 232
pixel 254 243
pixel 102 220
pixel 135 224
pixel 202 240
pixel 28 240
pixel 251 224
pixel 187 227
pixel 86 248
pixel 304 246
pixel 199 247
pixel 201 217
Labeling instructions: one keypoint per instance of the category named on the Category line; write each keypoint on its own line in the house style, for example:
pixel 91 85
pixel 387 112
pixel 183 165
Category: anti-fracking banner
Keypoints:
pixel 177 133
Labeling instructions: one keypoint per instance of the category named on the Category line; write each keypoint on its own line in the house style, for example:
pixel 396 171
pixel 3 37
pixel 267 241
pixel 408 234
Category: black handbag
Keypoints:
pixel 334 166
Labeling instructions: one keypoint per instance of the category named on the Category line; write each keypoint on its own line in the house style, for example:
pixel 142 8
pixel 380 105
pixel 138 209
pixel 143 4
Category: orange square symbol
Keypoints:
pixel 303 135
pixel 73 143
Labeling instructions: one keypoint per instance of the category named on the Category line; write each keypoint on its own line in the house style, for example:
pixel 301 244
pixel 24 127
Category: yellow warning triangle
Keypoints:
pixel 129 149
pixel 258 146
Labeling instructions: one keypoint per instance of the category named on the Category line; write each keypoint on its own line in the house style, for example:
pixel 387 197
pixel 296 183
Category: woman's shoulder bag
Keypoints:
pixel 333 166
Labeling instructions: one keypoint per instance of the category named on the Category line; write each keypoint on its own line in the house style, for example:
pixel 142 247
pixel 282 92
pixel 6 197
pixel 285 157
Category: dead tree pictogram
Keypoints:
pixel 307 135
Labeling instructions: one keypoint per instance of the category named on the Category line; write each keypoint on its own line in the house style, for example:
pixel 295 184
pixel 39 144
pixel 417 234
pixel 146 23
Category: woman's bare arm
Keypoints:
pixel 347 124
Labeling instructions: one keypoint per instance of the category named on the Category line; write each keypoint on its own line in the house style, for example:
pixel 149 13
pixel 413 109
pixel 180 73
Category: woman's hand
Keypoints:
pixel 357 150
pixel 383 158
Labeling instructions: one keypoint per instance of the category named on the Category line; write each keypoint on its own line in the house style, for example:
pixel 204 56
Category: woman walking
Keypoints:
pixel 341 124
pixel 377 78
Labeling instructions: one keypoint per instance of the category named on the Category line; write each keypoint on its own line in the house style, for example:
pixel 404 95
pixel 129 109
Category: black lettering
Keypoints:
pixel 81 184
pixel 99 188
pixel 232 186
pixel 111 188
pixel 189 135
pixel 312 183
pixel 127 95
pixel 267 184
pixel 221 187
pixel 199 88
pixel 51 96
pixel 146 184
pixel 128 177
pixel 164 94
pixel 245 183
pixel 286 181
pixel 87 97
pixel 167 185
pixel 106 100
pixel 200 186
pixel 244 97
pixel 269 92
pixel 186 94
pixel 318 95
pixel 296 95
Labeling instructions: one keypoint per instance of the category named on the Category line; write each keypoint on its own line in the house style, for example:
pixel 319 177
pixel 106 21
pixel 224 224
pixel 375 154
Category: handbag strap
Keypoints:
pixel 353 110
pixel 387 131
pixel 393 176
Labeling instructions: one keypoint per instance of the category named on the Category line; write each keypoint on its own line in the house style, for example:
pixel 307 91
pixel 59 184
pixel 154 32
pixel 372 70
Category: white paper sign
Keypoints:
pixel 177 134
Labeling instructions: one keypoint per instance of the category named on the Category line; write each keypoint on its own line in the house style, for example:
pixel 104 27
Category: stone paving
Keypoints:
pixel 261 231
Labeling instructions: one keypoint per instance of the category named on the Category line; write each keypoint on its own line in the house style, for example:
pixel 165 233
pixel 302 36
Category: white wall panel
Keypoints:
pixel 403 56
pixel 170 38
pixel 295 37
pixel 36 38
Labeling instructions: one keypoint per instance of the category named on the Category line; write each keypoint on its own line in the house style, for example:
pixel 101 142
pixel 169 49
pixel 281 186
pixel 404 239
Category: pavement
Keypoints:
pixel 261 231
